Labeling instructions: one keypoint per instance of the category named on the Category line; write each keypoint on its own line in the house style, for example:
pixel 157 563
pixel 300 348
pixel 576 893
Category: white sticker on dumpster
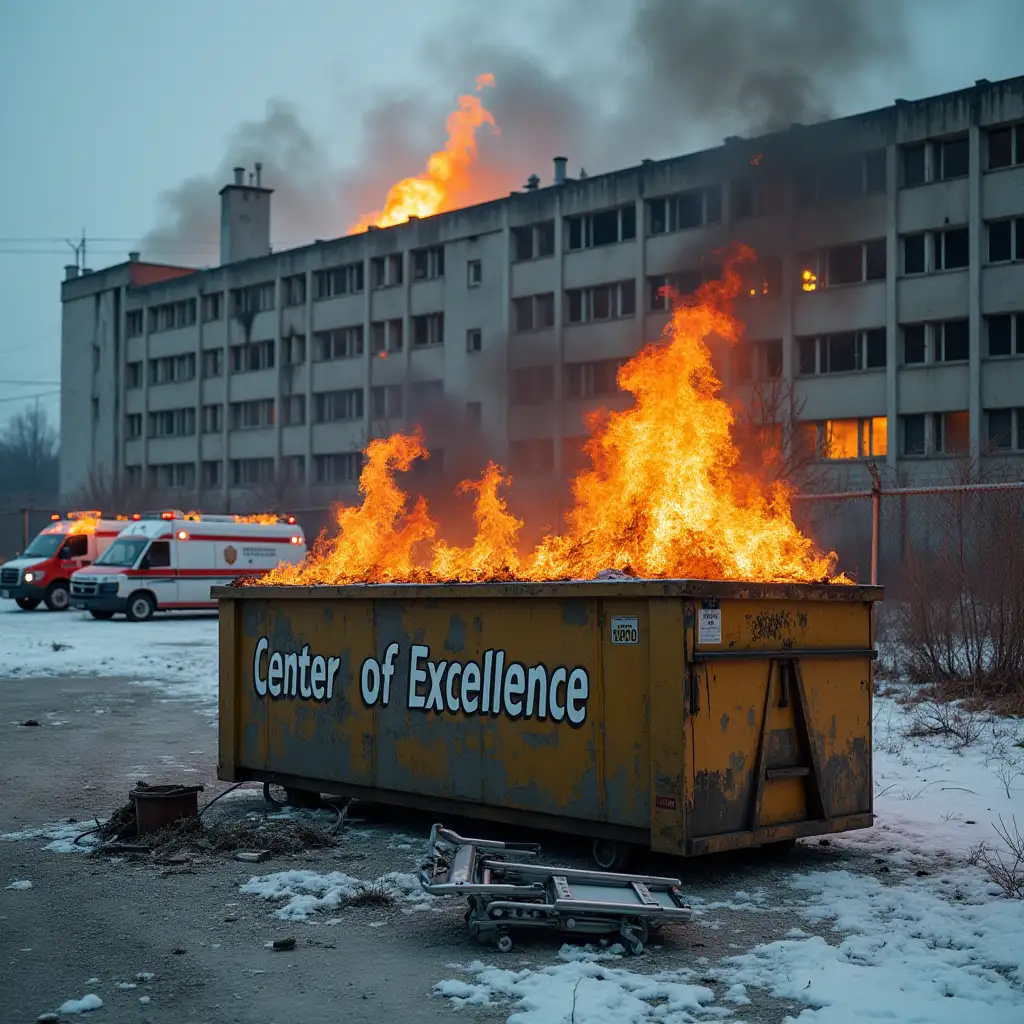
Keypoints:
pixel 625 629
pixel 709 626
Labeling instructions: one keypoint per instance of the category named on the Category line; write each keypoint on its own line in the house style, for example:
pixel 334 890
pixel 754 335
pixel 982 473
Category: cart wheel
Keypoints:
pixel 636 947
pixel 610 855
pixel 503 943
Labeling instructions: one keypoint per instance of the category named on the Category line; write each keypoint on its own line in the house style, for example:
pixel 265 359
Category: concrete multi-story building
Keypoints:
pixel 888 300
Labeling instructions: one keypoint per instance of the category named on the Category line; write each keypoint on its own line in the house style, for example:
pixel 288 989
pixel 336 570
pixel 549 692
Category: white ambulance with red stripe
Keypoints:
pixel 42 572
pixel 169 560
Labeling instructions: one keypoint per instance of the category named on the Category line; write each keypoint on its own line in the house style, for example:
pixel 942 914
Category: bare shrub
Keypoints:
pixel 371 894
pixel 1005 866
pixel 933 718
pixel 962 597
pixel 1009 769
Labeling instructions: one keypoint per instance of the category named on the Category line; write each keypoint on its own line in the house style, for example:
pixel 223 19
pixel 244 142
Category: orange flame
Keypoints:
pixel 84 524
pixel 447 172
pixel 264 518
pixel 664 497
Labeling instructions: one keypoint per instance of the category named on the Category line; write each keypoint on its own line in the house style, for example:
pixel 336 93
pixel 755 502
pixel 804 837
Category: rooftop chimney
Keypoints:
pixel 560 162
pixel 70 271
pixel 532 183
pixel 133 257
pixel 244 217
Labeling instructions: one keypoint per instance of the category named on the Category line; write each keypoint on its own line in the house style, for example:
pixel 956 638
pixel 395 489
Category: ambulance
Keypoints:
pixel 42 572
pixel 169 560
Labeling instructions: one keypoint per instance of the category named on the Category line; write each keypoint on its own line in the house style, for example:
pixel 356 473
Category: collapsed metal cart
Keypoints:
pixel 507 891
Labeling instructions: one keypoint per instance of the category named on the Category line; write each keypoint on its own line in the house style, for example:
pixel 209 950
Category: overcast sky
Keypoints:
pixel 110 106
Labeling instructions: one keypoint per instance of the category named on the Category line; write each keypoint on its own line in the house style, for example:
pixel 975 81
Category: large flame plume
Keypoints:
pixel 446 176
pixel 663 497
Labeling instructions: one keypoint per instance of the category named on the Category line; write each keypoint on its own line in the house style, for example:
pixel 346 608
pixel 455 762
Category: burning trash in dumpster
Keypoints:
pixel 663 497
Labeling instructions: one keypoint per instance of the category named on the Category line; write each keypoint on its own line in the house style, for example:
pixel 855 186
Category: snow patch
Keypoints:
pixel 23 883
pixel 83 1005
pixel 61 835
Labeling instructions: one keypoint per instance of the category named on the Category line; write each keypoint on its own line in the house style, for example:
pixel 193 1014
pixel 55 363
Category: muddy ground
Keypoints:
pixel 110 919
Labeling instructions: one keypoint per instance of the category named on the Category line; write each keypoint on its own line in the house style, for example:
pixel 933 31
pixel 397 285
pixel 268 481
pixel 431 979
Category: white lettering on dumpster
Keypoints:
pixel 494 686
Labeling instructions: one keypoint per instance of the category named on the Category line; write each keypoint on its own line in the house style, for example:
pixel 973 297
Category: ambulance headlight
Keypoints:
pixel 36 576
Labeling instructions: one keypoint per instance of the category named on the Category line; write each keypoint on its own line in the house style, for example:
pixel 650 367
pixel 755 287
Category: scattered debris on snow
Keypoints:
pixel 23 883
pixel 308 892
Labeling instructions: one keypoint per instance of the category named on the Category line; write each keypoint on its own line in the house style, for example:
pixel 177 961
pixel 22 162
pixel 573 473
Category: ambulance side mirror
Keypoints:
pixel 144 564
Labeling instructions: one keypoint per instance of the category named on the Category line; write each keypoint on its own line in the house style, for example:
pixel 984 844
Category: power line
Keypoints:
pixel 31 383
pixel 28 398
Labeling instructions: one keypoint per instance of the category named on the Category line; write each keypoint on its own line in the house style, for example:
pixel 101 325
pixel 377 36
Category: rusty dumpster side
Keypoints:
pixel 685 716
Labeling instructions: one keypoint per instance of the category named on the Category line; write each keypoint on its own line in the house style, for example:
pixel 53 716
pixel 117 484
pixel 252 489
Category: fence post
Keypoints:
pixel 876 508
pixel 25 528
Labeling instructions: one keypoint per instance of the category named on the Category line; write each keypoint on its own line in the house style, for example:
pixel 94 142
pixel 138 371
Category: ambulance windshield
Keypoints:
pixel 124 552
pixel 44 545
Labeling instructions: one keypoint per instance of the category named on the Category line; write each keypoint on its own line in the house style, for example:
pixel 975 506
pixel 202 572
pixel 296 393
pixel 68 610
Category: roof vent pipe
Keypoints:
pixel 259 171
pixel 560 162
pixel 239 175
pixel 70 271
pixel 133 257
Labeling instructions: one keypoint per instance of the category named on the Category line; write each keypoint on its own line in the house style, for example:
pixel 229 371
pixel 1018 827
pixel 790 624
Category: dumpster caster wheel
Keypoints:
pixel 610 855
pixel 503 943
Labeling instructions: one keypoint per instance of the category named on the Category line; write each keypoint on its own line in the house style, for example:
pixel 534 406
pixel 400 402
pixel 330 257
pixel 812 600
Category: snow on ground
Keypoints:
pixel 176 653
pixel 928 940
pixel 22 883
pixel 61 837
pixel 83 1005
pixel 308 892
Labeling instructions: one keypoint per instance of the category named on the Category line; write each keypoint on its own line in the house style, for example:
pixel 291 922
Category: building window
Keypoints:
pixel 531 458
pixel 336 406
pixel 251 472
pixel 842 179
pixel 172 476
pixel 172 369
pixel 213 419
pixel 691 209
pixel 213 362
pixel 1006 429
pixel 913 254
pixel 428 263
pixel 293 350
pixel 842 265
pixel 293 469
pixel 171 316
pixel 474 339
pixel 849 439
pixel 944 433
pixel 425 397
pixel 762 277
pixel 608 227
pixel 334 281
pixel 341 343
pixel 133 426
pixel 944 341
pixel 254 298
pixel 533 312
pixel 913 164
pixel 134 323
pixel 133 375
pixel 474 414
pixel 750 197
pixel 533 241
pixel 338 468
pixel 1006 240
pixel 251 358
pixel 253 415
pixel 386 271
pixel 386 335
pixel 133 476
pixel 1006 147
pixel 842 352
pixel 600 302
pixel 684 282
pixel 211 473
pixel 213 308
pixel 1005 334
pixel 293 290
pixel 474 273
pixel 588 380
pixel 533 385
pixel 293 410
pixel 172 423
pixel 428 329
pixel 951 249
pixel 386 402
pixel 952 159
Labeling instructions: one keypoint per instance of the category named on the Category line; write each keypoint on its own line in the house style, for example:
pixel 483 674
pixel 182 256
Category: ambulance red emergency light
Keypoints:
pixel 42 572
pixel 169 560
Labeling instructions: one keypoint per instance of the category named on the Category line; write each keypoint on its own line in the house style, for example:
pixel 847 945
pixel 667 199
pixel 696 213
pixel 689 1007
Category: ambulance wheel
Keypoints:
pixel 140 607
pixel 102 616
pixel 503 943
pixel 26 604
pixel 610 855
pixel 58 597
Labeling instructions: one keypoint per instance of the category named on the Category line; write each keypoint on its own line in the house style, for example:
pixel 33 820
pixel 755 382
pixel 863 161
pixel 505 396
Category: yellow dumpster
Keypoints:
pixel 682 716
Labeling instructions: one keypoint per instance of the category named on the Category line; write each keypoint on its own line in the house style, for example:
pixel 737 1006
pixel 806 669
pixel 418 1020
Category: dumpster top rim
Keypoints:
pixel 724 589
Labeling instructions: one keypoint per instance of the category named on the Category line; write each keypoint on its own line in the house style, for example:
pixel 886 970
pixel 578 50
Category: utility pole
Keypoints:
pixel 79 251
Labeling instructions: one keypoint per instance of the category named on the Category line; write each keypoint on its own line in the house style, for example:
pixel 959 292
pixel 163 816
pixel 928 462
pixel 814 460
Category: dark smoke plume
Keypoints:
pixel 680 74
